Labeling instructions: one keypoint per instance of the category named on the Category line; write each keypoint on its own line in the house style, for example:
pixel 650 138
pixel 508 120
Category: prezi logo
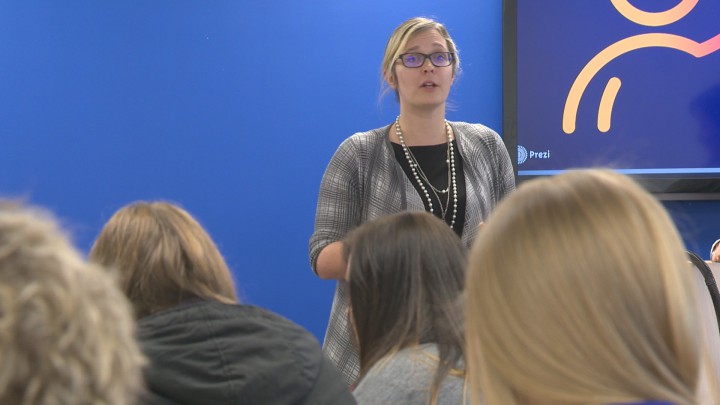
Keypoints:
pixel 524 155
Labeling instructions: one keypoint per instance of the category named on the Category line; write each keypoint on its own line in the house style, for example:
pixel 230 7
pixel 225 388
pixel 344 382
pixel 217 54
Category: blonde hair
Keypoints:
pixel 164 257
pixel 67 334
pixel 579 290
pixel 398 41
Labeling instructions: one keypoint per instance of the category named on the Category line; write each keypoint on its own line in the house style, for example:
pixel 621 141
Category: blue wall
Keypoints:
pixel 230 108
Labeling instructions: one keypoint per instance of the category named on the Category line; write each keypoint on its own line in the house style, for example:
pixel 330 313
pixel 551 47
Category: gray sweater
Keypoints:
pixel 364 181
pixel 406 377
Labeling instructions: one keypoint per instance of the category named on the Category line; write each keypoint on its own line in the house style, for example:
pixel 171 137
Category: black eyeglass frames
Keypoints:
pixel 417 59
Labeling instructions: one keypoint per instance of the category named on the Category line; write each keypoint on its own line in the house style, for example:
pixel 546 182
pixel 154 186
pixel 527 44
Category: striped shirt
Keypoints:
pixel 364 181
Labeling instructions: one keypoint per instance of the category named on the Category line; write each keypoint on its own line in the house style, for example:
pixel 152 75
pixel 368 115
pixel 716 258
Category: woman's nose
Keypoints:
pixel 427 65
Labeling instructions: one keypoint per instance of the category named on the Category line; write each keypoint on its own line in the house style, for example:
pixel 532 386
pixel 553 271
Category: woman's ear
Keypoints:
pixel 391 80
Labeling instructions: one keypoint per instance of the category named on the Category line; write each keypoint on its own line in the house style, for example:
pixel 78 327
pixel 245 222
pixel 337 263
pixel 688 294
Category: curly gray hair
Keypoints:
pixel 67 335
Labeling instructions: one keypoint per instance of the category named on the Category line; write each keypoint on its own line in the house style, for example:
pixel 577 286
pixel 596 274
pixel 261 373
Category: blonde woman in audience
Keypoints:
pixel 204 347
pixel 405 273
pixel 67 335
pixel 579 292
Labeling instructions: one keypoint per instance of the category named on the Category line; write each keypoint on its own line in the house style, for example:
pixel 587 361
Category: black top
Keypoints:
pixel 206 353
pixel 433 162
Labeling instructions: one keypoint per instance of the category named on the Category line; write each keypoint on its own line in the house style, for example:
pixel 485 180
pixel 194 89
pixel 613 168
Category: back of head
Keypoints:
pixel 406 272
pixel 67 335
pixel 579 290
pixel 164 256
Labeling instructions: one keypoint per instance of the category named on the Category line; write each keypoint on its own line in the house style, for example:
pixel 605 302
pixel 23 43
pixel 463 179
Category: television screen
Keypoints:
pixel 631 85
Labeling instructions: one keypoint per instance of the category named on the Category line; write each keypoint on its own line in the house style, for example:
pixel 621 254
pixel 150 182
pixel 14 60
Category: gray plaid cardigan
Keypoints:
pixel 364 181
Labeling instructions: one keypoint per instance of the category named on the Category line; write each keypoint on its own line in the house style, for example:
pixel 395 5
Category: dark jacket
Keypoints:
pixel 212 353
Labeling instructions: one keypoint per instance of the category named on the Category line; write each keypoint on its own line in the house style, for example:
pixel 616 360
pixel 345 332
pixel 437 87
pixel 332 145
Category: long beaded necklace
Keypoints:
pixel 420 175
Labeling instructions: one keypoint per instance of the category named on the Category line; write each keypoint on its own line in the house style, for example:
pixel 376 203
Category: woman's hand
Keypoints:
pixel 331 263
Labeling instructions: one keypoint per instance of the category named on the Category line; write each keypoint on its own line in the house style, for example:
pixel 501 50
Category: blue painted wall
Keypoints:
pixel 230 108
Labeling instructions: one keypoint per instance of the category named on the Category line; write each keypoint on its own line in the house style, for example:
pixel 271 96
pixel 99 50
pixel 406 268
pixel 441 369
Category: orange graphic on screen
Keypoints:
pixel 653 40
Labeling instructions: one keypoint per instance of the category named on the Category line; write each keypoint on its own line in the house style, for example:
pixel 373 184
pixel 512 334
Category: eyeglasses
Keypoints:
pixel 416 59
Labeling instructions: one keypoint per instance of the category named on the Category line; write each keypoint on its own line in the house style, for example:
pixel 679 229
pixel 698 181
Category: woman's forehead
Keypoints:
pixel 429 38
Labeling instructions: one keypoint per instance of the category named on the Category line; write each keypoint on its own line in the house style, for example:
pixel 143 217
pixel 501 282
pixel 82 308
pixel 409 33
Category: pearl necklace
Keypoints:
pixel 415 167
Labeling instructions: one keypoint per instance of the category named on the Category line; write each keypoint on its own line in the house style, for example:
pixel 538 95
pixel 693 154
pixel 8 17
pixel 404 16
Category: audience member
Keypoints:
pixel 715 252
pixel 67 335
pixel 579 291
pixel 206 348
pixel 405 273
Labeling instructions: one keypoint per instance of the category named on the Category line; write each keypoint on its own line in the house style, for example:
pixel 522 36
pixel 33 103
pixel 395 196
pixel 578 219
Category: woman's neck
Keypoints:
pixel 422 129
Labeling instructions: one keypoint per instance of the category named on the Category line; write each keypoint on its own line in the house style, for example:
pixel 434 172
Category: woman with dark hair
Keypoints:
pixel 204 347
pixel 404 310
